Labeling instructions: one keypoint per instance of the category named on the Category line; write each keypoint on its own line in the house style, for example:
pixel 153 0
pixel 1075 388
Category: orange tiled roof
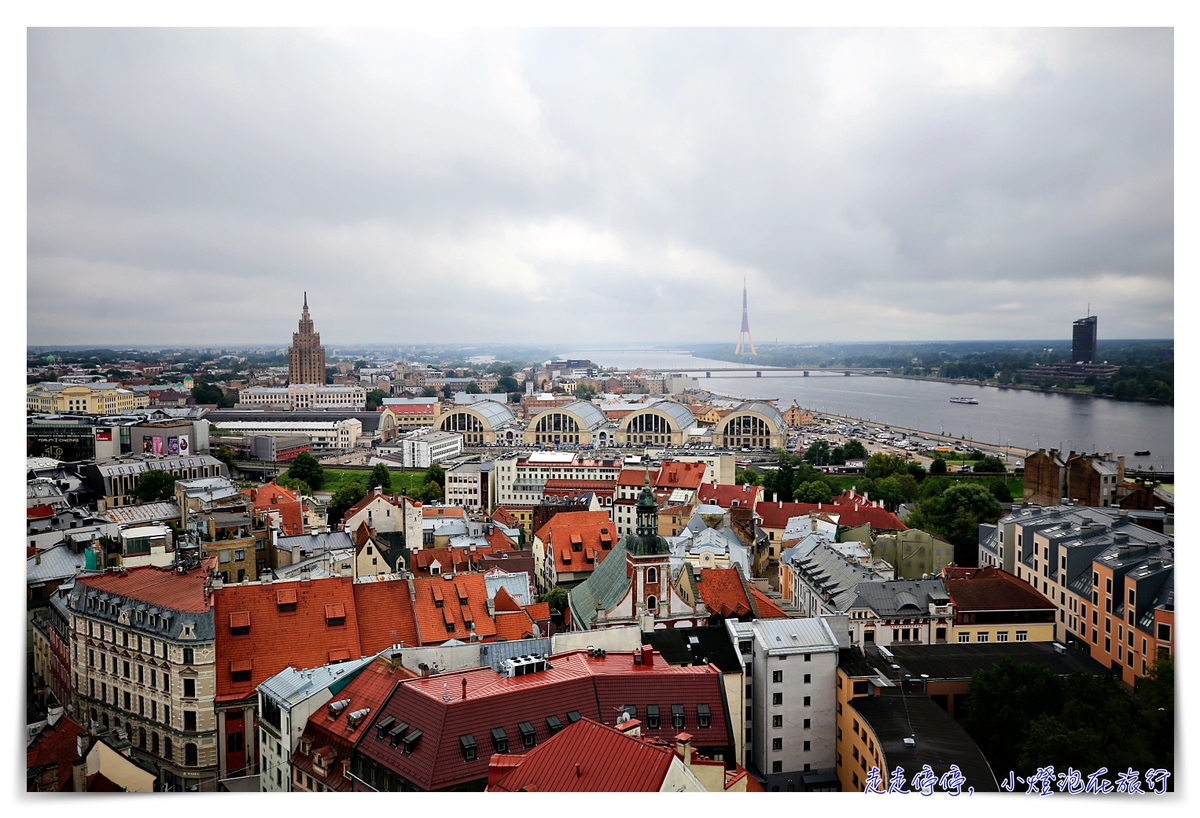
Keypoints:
pixel 680 475
pixel 538 611
pixel 580 540
pixel 55 745
pixel 158 586
pixel 442 614
pixel 766 608
pixel 722 592
pixel 513 625
pixel 503 601
pixel 273 496
pixel 433 512
pixel 323 622
pixel 390 618
pixel 569 518
pixel 724 495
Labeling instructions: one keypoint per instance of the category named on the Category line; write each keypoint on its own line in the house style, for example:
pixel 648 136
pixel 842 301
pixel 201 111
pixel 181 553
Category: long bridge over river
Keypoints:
pixel 758 371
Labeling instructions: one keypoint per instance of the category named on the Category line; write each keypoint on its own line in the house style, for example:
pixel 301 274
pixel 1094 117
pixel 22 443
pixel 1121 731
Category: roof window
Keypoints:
pixel 335 614
pixel 410 741
pixel 553 724
pixel 677 720
pixel 470 749
pixel 239 623
pixel 240 669
pixel 573 716
pixel 704 715
pixel 528 735
pixel 397 733
pixel 285 598
pixel 653 720
pixel 500 739
pixel 381 726
pixel 438 601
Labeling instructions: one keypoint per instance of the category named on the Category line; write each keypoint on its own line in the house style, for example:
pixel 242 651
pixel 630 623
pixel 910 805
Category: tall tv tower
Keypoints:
pixel 745 333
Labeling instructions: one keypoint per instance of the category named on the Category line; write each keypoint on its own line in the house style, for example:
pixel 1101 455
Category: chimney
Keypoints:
pixel 464 687
pixel 683 746
pixel 37 558
pixel 648 655
pixel 83 743
pixel 296 552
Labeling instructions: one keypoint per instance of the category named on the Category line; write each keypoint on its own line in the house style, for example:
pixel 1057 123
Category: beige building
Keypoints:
pixel 306 356
pixel 573 423
pixel 142 663
pixel 663 423
pixel 753 425
pixel 102 398
pixel 912 553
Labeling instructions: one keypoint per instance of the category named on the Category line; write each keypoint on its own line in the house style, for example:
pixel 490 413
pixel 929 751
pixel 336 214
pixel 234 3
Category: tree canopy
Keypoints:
pixel 343 499
pixel 154 486
pixel 380 476
pixel 375 399
pixel 305 467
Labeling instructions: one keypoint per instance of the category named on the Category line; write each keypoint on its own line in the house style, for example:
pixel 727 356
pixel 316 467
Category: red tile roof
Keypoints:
pixel 587 756
pixel 674 475
pixel 503 601
pixel 500 541
pixel 992 589
pixel 275 497
pixel 409 408
pixel 766 608
pixel 157 586
pixel 725 495
pixel 55 745
pixel 505 517
pixel 433 512
pixel 580 540
pixel 303 638
pixel 538 611
pixel 851 515
pixel 437 623
pixel 39 512
pixel 388 617
pixel 722 591
pixel 594 687
pixel 368 690
pixel 513 625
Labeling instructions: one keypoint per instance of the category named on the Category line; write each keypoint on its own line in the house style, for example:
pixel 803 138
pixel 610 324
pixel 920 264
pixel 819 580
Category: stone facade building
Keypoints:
pixel 306 356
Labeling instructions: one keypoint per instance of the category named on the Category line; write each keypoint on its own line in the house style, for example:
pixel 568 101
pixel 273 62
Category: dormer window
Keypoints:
pixel 677 716
pixel 335 614
pixel 573 716
pixel 305 745
pixel 576 542
pixel 239 623
pixel 500 740
pixel 553 724
pixel 470 749
pixel 397 733
pixel 410 741
pixel 381 726
pixel 653 720
pixel 285 599
pixel 239 670
pixel 704 715
pixel 528 736
pixel 438 600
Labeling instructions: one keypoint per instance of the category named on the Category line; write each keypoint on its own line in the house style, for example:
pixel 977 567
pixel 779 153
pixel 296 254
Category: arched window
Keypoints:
pixel 652 604
pixel 651 576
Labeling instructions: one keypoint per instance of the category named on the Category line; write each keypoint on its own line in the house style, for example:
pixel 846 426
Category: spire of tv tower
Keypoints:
pixel 745 333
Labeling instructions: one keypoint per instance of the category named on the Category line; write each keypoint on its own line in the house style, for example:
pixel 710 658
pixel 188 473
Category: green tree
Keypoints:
pixel 436 474
pixel 380 476
pixel 343 499
pixel 305 467
pixel 432 492
pixel 957 514
pixel 907 485
pixel 585 391
pixel 1004 701
pixel 429 392
pixel 812 492
pixel 989 465
pixel 748 476
pixel 507 383
pixel 225 455
pixel 295 485
pixel 556 598
pixel 938 466
pixel 154 486
pixel 817 453
pixel 854 450
pixel 999 490
pixel 375 399
pixel 446 392
pixel 473 388
pixel 885 465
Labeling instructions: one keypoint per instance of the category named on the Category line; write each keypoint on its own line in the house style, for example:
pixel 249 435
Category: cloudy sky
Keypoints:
pixel 592 186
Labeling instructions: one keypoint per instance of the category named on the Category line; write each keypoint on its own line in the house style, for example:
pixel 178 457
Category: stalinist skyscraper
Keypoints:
pixel 306 356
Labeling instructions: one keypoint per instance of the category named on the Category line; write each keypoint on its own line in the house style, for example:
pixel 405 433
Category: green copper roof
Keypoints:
pixel 603 589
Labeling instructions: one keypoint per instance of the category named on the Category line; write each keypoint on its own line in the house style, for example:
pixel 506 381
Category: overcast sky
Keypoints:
pixel 598 186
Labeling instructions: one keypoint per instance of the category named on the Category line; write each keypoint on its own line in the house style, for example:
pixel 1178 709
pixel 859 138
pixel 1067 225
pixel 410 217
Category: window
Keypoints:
pixel 1108 585
pixel 808 678
pixel 189 720
pixel 128 701
pixel 554 724
pixel 860 688
pixel 776 766
pixel 141 674
pixel 239 555
pixel 528 736
pixel 677 719
pixel 166 714
pixel 167 749
pixel 190 756
pixel 808 657
pixel 125 669
pixel 573 716
pixel 189 656
pixel 237 742
pixel 154 743
pixel 470 750
pixel 983 636
pixel 703 715
pixel 1022 636
pixel 499 740
pixel 651 576
pixel 964 637
pixel 808 701
pixel 776 676
pixel 777 721
pixel 776 698
pixel 154 710
pixel 189 688
pixel 807 746
pixel 808 724
pixel 1164 632
pixel 777 744
pixel 1001 636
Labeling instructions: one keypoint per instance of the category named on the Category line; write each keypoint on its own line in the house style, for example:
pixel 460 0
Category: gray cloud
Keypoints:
pixel 598 185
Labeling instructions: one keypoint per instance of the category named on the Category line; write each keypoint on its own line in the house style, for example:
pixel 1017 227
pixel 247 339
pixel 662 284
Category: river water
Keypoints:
pixel 1014 417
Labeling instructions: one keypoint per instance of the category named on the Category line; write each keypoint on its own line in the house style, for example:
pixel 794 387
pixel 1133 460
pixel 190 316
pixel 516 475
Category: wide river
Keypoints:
pixel 1014 417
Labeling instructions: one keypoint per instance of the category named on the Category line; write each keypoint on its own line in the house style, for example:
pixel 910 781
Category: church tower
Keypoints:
pixel 649 559
pixel 306 356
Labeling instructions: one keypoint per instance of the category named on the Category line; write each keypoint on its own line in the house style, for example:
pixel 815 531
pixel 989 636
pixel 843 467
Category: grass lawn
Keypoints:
pixel 336 478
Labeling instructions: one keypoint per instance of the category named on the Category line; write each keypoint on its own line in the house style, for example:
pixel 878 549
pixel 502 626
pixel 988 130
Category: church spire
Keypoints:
pixel 306 300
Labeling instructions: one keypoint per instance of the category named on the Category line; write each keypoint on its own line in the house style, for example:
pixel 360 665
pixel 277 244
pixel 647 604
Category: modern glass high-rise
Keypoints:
pixel 1083 341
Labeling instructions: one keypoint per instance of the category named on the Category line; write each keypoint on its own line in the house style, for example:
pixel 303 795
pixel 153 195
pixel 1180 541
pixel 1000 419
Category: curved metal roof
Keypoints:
pixel 758 407
pixel 493 414
pixel 683 417
pixel 588 413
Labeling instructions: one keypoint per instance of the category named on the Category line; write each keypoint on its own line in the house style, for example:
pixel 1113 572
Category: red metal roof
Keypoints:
pixel 851 515
pixel 724 495
pixel 588 756
pixel 595 687
pixel 55 745
pixel 273 496
pixel 156 586
pixel 302 638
